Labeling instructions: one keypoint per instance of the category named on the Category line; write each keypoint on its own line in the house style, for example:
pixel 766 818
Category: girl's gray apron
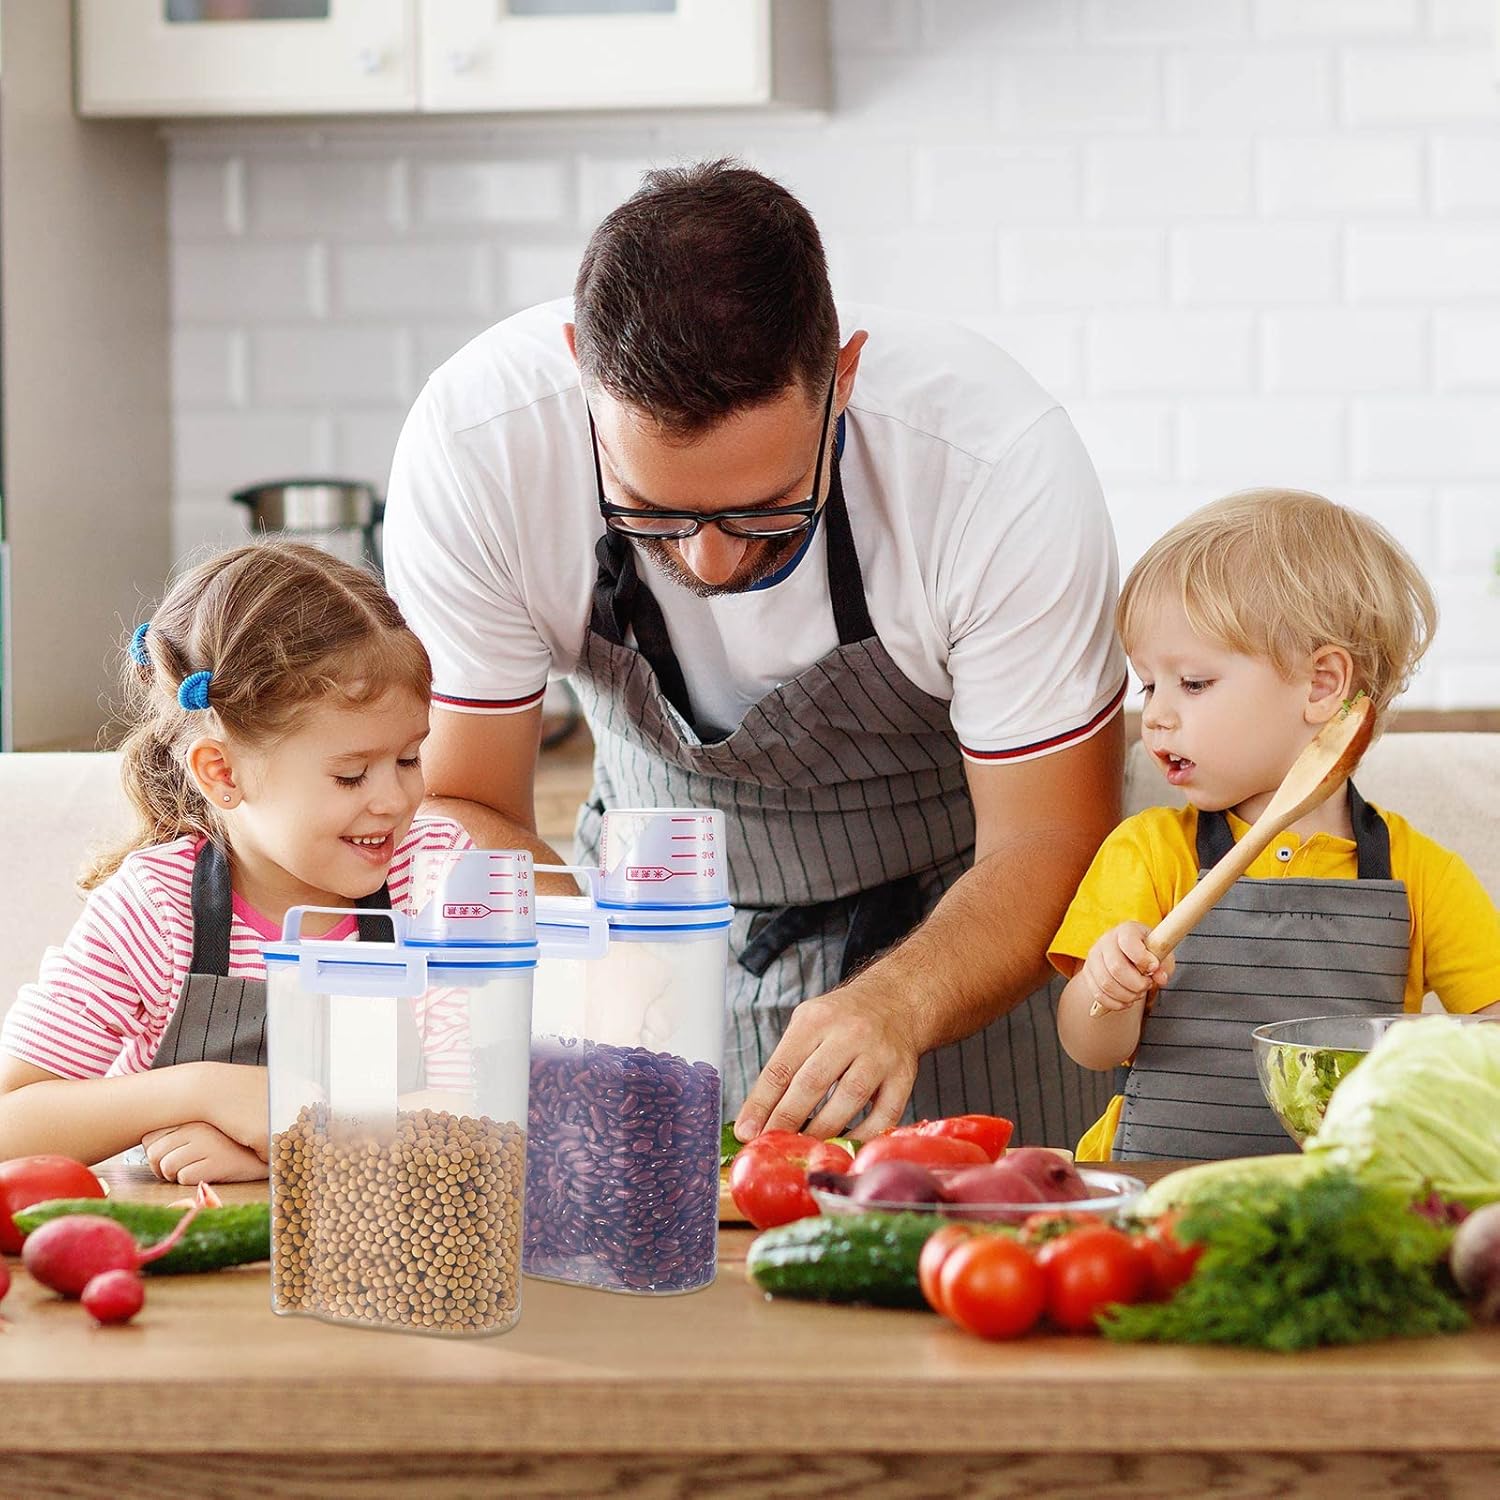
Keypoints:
pixel 847 815
pixel 1271 950
pixel 219 1019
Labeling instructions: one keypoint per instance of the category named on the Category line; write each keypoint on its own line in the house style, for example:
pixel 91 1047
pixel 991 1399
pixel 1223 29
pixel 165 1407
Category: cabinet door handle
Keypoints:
pixel 369 60
pixel 462 59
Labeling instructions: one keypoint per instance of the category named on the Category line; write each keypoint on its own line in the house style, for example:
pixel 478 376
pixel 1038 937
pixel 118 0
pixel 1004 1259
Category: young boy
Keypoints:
pixel 1250 624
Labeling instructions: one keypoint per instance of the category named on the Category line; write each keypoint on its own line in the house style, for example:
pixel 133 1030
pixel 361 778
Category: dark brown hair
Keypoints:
pixel 281 626
pixel 704 293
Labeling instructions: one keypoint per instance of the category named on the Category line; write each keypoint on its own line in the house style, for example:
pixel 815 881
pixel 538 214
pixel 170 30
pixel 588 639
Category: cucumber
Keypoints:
pixel 217 1237
pixel 869 1257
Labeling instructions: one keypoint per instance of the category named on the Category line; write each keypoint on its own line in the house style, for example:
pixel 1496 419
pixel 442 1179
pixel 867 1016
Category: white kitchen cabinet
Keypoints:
pixel 170 58
pixel 480 56
pixel 246 57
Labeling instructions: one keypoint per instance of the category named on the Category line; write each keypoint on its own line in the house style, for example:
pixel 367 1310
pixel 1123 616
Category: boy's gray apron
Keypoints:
pixel 1271 950
pixel 219 1019
pixel 847 815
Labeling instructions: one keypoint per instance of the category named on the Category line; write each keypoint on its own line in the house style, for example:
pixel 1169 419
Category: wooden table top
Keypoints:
pixel 206 1367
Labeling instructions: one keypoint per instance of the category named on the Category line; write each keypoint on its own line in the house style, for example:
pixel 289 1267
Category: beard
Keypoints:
pixel 769 556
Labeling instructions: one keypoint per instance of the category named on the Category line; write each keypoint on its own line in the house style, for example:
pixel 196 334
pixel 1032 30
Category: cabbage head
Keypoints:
pixel 1422 1112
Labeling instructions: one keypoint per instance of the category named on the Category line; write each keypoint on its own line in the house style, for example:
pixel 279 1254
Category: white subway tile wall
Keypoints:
pixel 1245 241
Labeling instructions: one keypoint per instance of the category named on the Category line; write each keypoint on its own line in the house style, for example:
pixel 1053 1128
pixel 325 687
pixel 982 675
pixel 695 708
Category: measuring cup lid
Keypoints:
pixel 662 858
pixel 484 898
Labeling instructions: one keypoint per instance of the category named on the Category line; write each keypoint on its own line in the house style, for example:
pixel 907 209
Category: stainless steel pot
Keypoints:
pixel 341 515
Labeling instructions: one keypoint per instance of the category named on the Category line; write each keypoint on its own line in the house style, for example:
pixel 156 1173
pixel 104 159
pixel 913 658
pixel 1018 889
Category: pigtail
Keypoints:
pixel 167 804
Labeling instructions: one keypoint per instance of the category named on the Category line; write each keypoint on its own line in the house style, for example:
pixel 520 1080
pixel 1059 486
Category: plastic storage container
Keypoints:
pixel 622 1162
pixel 398 1079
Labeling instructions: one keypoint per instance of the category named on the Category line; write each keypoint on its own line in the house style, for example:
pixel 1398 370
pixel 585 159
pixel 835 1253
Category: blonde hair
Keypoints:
pixel 281 626
pixel 1278 574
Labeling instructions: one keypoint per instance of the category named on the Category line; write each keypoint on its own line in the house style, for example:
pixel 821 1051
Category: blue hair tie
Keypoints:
pixel 138 653
pixel 193 694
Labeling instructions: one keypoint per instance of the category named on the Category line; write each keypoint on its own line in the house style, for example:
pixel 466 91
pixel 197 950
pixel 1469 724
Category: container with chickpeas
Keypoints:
pixel 399 1071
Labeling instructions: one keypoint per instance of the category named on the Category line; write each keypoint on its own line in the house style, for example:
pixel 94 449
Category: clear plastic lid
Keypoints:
pixel 668 857
pixel 485 898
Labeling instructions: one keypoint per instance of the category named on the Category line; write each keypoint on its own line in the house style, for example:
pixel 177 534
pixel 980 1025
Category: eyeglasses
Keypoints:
pixel 760 524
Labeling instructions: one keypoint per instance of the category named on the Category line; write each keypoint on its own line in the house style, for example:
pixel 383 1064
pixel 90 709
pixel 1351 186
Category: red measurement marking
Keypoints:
pixel 647 873
pixel 472 909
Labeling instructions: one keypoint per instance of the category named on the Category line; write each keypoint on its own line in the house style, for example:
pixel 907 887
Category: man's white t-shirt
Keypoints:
pixel 988 558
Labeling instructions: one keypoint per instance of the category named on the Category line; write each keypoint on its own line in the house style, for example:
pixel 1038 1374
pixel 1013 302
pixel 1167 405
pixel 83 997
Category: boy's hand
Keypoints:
pixel 199 1152
pixel 1121 970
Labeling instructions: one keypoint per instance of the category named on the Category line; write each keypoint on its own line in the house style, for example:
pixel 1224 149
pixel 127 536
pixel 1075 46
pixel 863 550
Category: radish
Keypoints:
pixel 66 1254
pixel 114 1296
pixel 1475 1260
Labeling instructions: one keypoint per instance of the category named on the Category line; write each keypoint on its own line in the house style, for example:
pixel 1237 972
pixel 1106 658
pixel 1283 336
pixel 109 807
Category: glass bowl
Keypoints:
pixel 1300 1063
pixel 1110 1193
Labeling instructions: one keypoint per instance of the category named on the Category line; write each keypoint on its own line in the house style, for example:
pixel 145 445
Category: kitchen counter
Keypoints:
pixel 720 1392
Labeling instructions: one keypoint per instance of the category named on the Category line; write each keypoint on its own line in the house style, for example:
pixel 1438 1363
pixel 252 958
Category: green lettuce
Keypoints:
pixel 1300 1082
pixel 1421 1113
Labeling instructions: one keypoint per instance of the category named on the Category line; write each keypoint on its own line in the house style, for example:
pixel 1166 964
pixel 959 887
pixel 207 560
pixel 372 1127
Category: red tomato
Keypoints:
pixel 1169 1262
pixel 991 1133
pixel 1038 1229
pixel 1088 1270
pixel 768 1177
pixel 4 1280
pixel 785 1141
pixel 925 1150
pixel 934 1255
pixel 769 1188
pixel 25 1180
pixel 992 1286
pixel 826 1157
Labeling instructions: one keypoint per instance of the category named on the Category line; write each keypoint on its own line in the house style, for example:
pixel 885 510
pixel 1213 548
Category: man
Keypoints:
pixel 854 589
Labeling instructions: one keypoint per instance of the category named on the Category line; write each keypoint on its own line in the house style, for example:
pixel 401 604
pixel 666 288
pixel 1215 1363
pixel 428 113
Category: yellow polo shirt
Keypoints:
pixel 1150 862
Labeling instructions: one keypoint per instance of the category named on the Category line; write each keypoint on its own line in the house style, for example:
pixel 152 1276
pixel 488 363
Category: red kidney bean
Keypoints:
pixel 622 1179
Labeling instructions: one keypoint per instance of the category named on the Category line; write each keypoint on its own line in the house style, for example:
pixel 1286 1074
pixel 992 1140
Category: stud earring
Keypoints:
pixel 226 797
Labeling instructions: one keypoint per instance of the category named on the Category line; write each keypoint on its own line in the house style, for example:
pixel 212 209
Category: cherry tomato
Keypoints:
pixel 934 1254
pixel 25 1180
pixel 4 1280
pixel 768 1178
pixel 1086 1271
pixel 991 1133
pixel 992 1286
pixel 1169 1262
pixel 925 1150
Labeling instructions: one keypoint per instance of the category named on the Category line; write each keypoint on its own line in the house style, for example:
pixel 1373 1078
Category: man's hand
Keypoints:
pixel 198 1152
pixel 852 1041
pixel 981 951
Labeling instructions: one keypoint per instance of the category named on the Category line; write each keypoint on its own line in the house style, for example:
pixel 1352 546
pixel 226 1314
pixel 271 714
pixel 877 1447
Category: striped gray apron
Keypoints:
pixel 847 816
pixel 1271 950
pixel 219 1019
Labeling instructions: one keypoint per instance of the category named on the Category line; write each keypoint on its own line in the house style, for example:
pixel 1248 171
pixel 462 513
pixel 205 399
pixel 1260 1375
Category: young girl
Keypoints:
pixel 277 705
pixel 1250 624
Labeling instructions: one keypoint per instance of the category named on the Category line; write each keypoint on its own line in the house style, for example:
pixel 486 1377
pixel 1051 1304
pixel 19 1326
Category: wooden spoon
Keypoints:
pixel 1328 760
